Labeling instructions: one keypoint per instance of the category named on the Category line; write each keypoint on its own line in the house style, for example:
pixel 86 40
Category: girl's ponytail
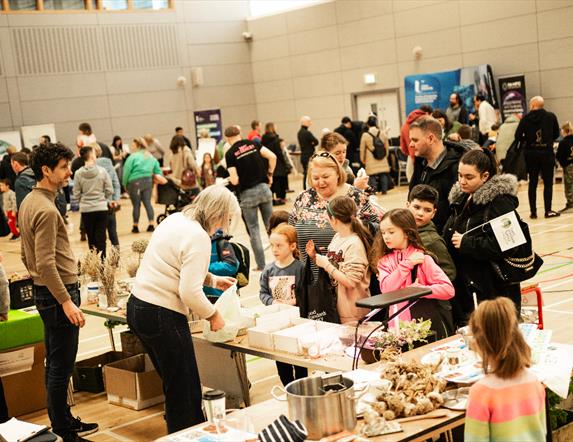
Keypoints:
pixel 362 232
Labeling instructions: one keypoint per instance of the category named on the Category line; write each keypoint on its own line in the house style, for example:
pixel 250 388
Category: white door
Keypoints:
pixel 382 104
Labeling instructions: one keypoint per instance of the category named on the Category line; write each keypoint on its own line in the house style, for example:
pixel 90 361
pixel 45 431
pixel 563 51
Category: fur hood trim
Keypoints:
pixel 504 184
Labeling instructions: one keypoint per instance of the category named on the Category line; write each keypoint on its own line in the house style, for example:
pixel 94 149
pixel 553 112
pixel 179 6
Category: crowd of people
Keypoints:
pixel 336 232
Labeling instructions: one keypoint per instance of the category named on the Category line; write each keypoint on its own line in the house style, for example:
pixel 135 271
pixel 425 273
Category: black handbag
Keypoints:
pixel 514 162
pixel 436 310
pixel 519 263
pixel 318 298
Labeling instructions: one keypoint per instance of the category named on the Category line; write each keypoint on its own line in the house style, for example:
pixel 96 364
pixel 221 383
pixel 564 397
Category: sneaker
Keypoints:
pixel 552 214
pixel 150 228
pixel 83 428
pixel 14 237
pixel 135 229
pixel 533 216
pixel 83 236
pixel 72 437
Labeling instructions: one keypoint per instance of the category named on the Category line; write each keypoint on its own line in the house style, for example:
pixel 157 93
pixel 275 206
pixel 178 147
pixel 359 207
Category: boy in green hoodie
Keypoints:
pixel 422 202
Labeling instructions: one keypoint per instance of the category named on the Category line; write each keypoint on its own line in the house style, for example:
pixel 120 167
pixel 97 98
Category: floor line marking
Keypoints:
pixel 140 419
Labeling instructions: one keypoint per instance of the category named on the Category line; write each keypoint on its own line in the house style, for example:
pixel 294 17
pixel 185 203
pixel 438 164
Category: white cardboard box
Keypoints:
pixel 261 336
pixel 289 340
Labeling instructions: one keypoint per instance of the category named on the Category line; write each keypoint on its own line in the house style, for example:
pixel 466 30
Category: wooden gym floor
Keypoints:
pixel 552 239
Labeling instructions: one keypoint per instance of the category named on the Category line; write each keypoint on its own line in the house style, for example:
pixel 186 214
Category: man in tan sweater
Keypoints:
pixel 47 254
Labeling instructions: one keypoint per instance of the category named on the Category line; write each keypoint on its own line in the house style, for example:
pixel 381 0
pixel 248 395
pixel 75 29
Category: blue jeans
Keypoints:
pixel 379 182
pixel 61 341
pixel 140 191
pixel 166 336
pixel 252 200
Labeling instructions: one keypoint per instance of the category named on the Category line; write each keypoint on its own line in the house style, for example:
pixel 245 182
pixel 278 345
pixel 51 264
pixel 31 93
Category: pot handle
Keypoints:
pixel 359 392
pixel 279 396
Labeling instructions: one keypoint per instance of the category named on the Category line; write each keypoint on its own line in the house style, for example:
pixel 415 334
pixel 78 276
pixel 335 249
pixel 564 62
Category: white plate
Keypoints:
pixel 456 399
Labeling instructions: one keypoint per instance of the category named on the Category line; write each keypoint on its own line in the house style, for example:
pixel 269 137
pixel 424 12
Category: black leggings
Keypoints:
pixel 540 161
pixel 279 187
pixel 95 225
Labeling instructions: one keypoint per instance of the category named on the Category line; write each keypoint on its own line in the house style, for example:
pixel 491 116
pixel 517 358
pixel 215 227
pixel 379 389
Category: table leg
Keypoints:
pixel 111 339
pixel 240 363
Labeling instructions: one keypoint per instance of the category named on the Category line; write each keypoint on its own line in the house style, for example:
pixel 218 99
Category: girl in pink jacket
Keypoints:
pixel 401 261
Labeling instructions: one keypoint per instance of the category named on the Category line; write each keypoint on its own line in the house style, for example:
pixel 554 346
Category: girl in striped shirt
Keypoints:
pixel 508 404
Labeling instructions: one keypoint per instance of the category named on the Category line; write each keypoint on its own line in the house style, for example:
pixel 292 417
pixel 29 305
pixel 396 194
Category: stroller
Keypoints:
pixel 174 198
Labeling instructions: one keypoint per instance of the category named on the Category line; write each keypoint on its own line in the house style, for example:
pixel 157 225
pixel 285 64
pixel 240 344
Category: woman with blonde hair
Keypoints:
pixel 326 179
pixel 565 157
pixel 138 175
pixel 508 404
pixel 168 287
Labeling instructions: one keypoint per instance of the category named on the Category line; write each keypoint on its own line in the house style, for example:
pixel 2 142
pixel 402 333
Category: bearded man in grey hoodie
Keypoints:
pixel 93 190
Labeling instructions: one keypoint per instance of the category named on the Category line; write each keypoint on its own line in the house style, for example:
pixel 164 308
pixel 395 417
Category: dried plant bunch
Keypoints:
pixel 108 270
pixel 90 265
pixel 139 246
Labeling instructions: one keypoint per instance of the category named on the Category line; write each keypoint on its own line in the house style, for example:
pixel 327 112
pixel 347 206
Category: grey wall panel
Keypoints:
pixel 15 105
pixel 419 5
pixel 546 5
pixel 556 53
pixel 386 78
pixel 270 70
pixel 65 110
pixel 366 31
pixel 312 17
pixel 368 54
pixel 160 123
pixel 354 10
pixel 4 98
pixel 317 40
pixel 561 107
pixel 143 80
pixel 268 27
pixel 433 44
pixel 144 103
pixel 213 97
pixel 241 115
pixel 427 18
pixel 493 11
pixel 278 111
pixel 61 86
pixel 555 23
pixel 317 63
pixel 228 75
pixel 507 32
pixel 213 11
pixel 218 54
pixel 318 85
pixel 272 91
pixel 506 60
pixel 321 107
pixel 556 83
pixel 5 117
pixel 431 65
pixel 224 32
pixel 270 48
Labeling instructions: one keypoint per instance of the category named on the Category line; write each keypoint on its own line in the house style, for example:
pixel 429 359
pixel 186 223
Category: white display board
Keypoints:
pixel 205 145
pixel 31 134
pixel 8 139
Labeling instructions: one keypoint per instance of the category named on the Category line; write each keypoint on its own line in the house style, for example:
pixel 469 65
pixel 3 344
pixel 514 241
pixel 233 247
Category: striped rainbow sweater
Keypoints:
pixel 509 410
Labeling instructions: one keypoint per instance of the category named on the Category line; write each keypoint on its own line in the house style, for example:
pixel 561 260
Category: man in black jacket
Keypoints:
pixel 353 147
pixel 307 142
pixel 538 130
pixel 436 163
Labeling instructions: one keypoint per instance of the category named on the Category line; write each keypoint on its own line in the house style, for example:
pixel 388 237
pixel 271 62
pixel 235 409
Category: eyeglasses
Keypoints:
pixel 324 154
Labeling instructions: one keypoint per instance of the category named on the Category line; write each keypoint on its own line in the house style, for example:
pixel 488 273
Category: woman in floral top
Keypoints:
pixel 326 180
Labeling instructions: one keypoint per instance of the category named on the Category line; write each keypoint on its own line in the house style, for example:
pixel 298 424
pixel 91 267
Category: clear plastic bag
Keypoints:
pixel 229 307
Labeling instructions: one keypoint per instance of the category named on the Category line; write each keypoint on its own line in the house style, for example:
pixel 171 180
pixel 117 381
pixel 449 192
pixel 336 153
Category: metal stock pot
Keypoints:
pixel 324 404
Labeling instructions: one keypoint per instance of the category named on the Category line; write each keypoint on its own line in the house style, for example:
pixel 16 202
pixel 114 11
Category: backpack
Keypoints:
pixel 243 256
pixel 379 150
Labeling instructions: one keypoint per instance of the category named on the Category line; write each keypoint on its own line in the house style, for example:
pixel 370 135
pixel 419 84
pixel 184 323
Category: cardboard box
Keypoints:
pixel 88 374
pixel 25 392
pixel 289 339
pixel 261 336
pixel 133 383
pixel 130 344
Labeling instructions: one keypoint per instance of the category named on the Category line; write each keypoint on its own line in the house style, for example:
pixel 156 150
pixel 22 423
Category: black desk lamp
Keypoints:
pixel 378 302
